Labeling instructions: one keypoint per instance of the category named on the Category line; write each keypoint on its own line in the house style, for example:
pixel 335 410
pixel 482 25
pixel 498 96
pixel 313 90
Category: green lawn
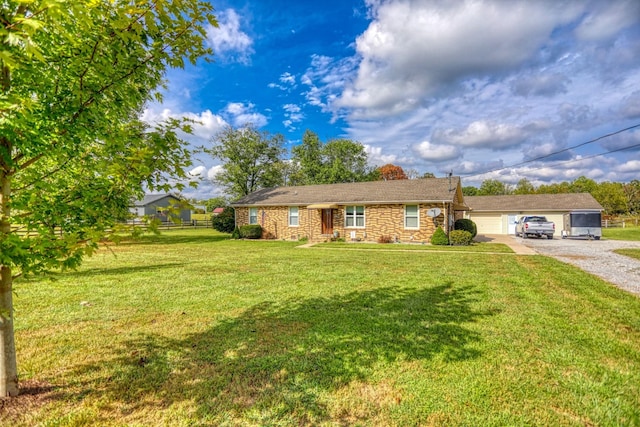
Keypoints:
pixel 627 233
pixel 633 253
pixel 189 328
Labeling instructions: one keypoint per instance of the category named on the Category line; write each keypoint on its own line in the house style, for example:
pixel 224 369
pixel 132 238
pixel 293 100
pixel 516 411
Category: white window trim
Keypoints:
pixel 417 216
pixel 355 217
pixel 256 215
pixel 297 216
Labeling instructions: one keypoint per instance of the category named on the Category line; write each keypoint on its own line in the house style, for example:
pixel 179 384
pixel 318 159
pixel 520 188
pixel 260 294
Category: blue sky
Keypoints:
pixel 472 87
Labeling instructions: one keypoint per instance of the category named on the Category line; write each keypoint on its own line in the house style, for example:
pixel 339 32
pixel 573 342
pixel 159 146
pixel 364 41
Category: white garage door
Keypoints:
pixel 488 223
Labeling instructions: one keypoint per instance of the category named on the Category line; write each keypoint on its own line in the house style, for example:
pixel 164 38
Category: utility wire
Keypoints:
pixel 566 149
pixel 589 157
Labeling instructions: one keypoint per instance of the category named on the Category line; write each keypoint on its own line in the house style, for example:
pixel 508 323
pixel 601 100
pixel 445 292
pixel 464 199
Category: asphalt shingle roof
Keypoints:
pixel 533 202
pixel 373 192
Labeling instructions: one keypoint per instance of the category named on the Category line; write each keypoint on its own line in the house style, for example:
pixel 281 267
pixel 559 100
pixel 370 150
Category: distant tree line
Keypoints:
pixel 615 197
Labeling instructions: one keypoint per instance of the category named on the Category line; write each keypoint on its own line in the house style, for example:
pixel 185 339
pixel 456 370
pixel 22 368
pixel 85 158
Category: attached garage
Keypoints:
pixel 488 223
pixel 498 214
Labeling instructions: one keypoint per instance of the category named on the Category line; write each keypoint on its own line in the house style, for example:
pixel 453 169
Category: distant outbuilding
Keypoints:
pixel 157 206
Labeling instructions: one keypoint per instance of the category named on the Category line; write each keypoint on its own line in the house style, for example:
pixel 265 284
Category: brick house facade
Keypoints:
pixel 401 210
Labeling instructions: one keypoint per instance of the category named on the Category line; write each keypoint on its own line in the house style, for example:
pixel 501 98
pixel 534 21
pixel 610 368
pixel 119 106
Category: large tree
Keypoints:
pixel 339 160
pixel 524 186
pixel 251 160
pixel 308 156
pixel 74 76
pixel 493 187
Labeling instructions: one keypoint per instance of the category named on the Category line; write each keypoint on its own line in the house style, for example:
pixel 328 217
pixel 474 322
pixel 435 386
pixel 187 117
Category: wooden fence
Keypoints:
pixel 620 223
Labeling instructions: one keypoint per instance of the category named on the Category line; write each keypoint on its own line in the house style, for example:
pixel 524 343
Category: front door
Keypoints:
pixel 327 221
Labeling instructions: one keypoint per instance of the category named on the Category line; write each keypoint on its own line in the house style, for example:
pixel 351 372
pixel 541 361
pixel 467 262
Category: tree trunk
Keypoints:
pixel 8 364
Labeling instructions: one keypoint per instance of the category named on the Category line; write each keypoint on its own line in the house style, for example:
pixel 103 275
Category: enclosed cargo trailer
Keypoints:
pixel 582 224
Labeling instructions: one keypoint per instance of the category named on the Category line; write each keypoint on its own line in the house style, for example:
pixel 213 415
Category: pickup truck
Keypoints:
pixel 535 226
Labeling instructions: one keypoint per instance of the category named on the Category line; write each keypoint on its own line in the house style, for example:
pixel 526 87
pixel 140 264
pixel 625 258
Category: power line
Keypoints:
pixel 590 157
pixel 567 149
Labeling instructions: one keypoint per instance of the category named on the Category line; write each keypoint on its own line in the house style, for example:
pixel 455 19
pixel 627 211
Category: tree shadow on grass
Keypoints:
pixel 174 237
pixel 276 362
pixel 116 271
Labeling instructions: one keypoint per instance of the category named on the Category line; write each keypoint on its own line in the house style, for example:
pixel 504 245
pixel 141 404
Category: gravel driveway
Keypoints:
pixel 594 256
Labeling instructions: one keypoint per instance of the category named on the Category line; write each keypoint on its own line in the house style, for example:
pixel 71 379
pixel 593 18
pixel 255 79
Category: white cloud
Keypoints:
pixel 293 114
pixel 376 157
pixel 632 166
pixel 241 114
pixel 204 125
pixel 198 172
pixel 287 82
pixel 413 47
pixel 607 18
pixel 483 134
pixel 436 153
pixel 213 171
pixel 228 41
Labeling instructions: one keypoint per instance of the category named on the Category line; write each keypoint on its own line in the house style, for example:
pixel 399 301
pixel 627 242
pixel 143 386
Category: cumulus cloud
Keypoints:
pixel 483 134
pixel 632 166
pixel 228 41
pixel 413 47
pixel 213 172
pixel 436 153
pixel 376 157
pixel 204 124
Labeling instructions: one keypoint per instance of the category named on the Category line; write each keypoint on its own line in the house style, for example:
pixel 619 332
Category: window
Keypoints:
pixel 253 215
pixel 411 217
pixel 354 216
pixel 293 216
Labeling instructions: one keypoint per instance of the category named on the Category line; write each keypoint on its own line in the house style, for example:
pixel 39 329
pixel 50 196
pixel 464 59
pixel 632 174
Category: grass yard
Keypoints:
pixel 189 328
pixel 475 247
pixel 627 233
pixel 633 253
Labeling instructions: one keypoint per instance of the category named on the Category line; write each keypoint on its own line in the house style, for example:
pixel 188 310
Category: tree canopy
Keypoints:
pixel 74 77
pixel 391 172
pixel 339 160
pixel 251 160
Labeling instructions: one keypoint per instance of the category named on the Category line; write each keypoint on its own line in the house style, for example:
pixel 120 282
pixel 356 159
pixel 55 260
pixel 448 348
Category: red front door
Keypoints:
pixel 327 221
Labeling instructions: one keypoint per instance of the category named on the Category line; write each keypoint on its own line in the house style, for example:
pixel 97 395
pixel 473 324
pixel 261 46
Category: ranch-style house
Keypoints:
pixel 403 210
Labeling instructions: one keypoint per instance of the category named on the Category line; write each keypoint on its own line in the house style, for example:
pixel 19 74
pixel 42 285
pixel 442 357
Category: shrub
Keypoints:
pixel 385 239
pixel 224 222
pixel 253 231
pixel 439 237
pixel 460 238
pixel 467 225
pixel 236 233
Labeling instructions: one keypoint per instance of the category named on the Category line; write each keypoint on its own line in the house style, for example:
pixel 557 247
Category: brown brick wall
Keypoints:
pixel 380 220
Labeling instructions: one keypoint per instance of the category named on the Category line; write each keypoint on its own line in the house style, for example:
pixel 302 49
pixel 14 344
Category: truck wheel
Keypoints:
pixel 597 237
pixel 549 236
